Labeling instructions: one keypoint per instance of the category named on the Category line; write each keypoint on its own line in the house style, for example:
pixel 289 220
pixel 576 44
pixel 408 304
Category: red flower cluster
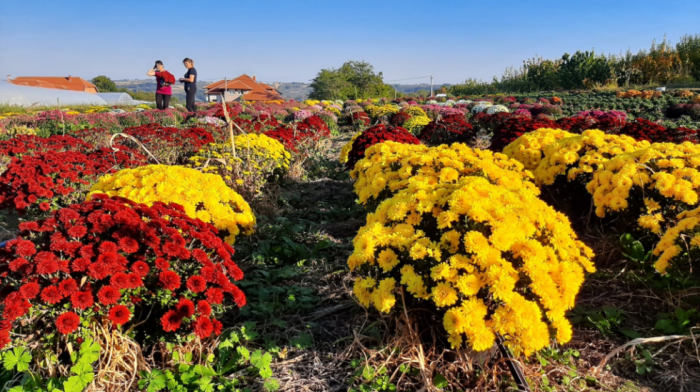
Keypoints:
pixel 450 129
pixel 110 256
pixel 377 134
pixel 307 131
pixel 642 129
pixel 170 145
pixel 514 127
pixel 33 182
pixel 398 119
pixel 360 117
pixel 25 144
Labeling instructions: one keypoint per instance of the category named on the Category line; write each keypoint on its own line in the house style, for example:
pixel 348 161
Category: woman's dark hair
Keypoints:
pixel 188 60
pixel 158 62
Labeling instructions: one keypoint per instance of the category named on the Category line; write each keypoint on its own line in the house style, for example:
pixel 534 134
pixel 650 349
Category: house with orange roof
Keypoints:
pixel 242 88
pixel 72 83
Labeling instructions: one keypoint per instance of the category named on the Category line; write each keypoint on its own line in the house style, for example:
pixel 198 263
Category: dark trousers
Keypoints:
pixel 191 92
pixel 162 101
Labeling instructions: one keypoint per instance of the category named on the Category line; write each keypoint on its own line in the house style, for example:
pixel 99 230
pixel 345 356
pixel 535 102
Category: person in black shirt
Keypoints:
pixel 190 81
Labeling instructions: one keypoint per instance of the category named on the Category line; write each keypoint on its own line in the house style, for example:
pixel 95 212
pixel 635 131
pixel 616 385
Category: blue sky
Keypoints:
pixel 290 41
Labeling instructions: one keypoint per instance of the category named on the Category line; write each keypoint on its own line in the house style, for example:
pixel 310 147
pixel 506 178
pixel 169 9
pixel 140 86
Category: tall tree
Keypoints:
pixel 104 84
pixel 354 79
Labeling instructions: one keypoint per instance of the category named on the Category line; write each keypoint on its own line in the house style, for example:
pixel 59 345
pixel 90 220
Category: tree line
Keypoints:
pixel 353 80
pixel 663 63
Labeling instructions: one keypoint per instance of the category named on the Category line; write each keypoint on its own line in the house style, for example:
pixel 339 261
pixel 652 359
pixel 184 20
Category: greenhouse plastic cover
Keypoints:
pixel 12 94
pixel 117 98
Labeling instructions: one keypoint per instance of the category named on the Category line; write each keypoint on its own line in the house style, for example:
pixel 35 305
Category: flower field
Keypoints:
pixel 477 243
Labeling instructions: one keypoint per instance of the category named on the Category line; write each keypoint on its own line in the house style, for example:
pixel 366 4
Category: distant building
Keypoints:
pixel 71 83
pixel 241 88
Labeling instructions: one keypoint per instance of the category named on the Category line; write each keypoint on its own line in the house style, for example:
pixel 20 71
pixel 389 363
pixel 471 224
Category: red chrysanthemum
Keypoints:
pixel 68 287
pixel 108 295
pixel 82 300
pixel 204 308
pixel 98 270
pixel 77 231
pixel 140 268
pixel 171 321
pixel 67 322
pixel 185 307
pixel 200 255
pixel 218 327
pixel 169 280
pixel 30 290
pixel 18 264
pixel 119 315
pixel 108 247
pixel 81 264
pixel 196 284
pixel 134 281
pixel 51 295
pixel 119 280
pixel 162 264
pixel 25 248
pixel 215 296
pixel 203 327
pixel 128 245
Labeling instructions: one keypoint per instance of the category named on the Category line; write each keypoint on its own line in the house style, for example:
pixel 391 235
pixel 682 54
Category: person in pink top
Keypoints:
pixel 163 93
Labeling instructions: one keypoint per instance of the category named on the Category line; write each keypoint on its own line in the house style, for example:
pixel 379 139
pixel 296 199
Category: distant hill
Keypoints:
pixel 414 88
pixel 295 90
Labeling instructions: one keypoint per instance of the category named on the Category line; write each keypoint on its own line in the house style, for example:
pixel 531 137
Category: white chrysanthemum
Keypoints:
pixel 497 109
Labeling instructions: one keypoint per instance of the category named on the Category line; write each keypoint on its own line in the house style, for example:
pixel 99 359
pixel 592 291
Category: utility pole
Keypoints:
pixel 431 86
pixel 225 90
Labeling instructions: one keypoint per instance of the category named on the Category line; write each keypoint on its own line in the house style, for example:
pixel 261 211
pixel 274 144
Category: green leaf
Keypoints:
pixel 204 371
pixel 18 358
pixel 440 381
pixel 244 352
pixel 81 368
pixel 78 383
pixel 89 351
pixel 271 385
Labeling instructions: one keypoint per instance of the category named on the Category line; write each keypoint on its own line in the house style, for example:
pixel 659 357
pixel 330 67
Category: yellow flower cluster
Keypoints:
pixel 254 152
pixel 204 196
pixel 311 102
pixel 416 123
pixel 665 173
pixel 380 111
pixel 333 110
pixel 581 154
pixel 345 151
pixel 414 111
pixel 389 167
pixel 529 148
pixel 684 237
pixel 496 260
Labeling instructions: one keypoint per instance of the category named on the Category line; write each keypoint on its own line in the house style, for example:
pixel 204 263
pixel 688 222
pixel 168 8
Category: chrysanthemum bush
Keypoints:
pixel 390 167
pixel 680 245
pixel 660 180
pixel 170 145
pixel 112 261
pixel 202 195
pixel 446 130
pixel 37 183
pixel 345 150
pixel 258 161
pixel 529 148
pixel 581 155
pixel 377 134
pixel 492 260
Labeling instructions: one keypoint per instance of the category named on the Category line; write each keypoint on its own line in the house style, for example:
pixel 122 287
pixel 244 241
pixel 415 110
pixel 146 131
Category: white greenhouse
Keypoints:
pixel 12 94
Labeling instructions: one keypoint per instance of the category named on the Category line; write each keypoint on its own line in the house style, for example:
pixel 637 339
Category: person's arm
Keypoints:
pixel 189 79
pixel 151 72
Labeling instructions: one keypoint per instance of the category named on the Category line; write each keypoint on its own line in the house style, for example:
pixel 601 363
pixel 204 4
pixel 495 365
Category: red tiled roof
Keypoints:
pixel 256 91
pixel 59 82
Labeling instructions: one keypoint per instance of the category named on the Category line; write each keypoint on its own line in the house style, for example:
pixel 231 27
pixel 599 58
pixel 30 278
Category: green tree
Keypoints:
pixel 354 79
pixel 543 74
pixel 104 84
pixel 689 51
